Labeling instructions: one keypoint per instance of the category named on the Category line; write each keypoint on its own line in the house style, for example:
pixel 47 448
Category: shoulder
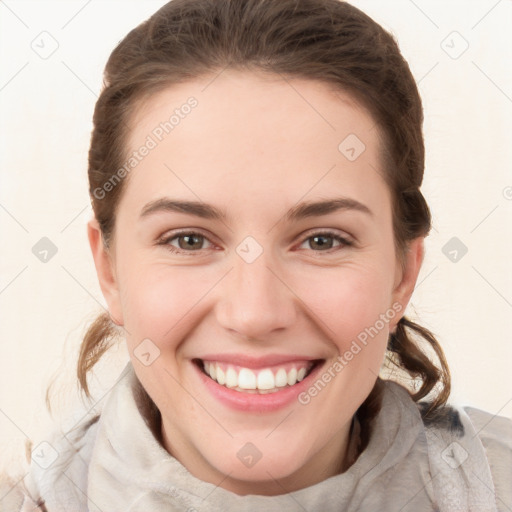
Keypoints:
pixel 464 436
pixel 495 433
pixel 61 456
pixel 11 495
pixel 14 496
pixel 492 429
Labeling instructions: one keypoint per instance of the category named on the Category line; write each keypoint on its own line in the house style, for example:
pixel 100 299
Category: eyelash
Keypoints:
pixel 166 241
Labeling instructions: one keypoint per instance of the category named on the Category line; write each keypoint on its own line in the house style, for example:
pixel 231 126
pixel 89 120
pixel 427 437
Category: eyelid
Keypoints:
pixel 330 232
pixel 167 237
pixel 343 238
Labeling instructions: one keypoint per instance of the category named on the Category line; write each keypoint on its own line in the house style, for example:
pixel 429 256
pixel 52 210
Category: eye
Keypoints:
pixel 324 241
pixel 188 241
pixel 193 242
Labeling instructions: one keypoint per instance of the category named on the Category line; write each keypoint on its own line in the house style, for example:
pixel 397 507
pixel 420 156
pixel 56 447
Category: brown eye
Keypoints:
pixel 190 241
pixel 185 242
pixel 322 242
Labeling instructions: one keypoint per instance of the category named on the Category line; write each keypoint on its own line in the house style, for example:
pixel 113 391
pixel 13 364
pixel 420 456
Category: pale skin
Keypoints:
pixel 254 148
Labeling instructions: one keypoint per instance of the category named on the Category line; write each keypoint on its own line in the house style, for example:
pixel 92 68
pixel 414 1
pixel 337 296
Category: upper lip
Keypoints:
pixel 257 362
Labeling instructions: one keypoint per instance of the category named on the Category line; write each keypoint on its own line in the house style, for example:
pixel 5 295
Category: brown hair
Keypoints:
pixel 326 40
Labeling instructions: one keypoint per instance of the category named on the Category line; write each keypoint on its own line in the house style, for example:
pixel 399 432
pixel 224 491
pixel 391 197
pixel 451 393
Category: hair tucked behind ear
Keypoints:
pixel 329 41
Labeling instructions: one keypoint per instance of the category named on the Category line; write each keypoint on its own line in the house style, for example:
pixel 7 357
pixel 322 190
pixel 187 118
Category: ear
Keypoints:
pixel 407 276
pixel 105 270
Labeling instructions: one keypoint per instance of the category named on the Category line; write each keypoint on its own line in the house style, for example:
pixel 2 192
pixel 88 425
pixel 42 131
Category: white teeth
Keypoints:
pixel 263 381
pixel 266 379
pixel 281 378
pixel 292 377
pixel 247 379
pixel 221 376
pixel 231 378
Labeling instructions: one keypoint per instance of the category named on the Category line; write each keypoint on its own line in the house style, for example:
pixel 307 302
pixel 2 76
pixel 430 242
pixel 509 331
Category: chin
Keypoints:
pixel 256 468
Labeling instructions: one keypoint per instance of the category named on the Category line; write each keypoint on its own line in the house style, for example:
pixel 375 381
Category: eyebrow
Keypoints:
pixel 196 208
pixel 298 212
pixel 318 208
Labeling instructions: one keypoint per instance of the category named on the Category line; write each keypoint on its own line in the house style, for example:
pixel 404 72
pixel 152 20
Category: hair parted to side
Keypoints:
pixel 325 40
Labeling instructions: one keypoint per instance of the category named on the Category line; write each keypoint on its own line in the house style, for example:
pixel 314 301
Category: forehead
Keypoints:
pixel 244 133
pixel 252 103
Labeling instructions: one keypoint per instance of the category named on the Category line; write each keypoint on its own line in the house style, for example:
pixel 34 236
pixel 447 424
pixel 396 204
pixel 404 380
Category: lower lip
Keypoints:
pixel 254 402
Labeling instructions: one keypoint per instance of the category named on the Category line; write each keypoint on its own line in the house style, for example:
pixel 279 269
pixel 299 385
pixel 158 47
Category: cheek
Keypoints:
pixel 350 299
pixel 156 300
pixel 163 302
pixel 353 304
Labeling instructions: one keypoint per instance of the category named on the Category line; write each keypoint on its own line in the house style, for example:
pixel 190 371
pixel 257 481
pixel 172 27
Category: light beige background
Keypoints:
pixel 46 107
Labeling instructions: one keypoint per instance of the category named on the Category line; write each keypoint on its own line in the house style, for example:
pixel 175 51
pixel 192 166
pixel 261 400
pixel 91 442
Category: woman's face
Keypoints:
pixel 279 265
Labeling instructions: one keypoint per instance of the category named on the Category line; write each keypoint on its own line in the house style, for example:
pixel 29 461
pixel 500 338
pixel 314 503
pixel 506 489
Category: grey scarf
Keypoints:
pixel 115 464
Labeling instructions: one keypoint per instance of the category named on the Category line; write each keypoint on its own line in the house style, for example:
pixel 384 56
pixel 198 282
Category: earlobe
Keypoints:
pixel 404 289
pixel 105 271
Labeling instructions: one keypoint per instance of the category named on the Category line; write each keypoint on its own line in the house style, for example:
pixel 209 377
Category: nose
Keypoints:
pixel 256 302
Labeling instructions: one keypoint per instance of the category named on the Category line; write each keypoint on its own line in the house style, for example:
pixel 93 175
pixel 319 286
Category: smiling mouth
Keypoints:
pixel 260 381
